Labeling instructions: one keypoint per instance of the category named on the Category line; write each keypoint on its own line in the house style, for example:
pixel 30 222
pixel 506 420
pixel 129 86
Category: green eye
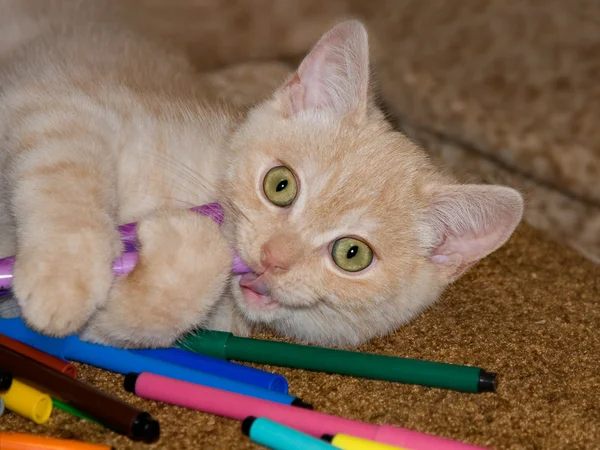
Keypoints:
pixel 351 254
pixel 280 186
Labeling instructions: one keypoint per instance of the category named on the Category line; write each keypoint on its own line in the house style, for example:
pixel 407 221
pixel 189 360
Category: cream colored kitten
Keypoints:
pixel 350 230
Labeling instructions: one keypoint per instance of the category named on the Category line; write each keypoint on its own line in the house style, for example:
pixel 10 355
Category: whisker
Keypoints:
pixel 238 213
pixel 178 168
pixel 185 202
pixel 176 186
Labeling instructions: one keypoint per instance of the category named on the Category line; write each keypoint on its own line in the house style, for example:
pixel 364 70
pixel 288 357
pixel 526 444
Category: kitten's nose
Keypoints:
pixel 279 253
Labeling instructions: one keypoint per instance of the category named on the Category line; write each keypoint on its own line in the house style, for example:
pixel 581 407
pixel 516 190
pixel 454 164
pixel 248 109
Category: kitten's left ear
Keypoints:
pixel 334 75
pixel 468 223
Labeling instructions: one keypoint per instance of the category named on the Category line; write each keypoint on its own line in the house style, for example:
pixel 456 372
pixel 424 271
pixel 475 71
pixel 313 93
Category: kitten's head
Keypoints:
pixel 349 228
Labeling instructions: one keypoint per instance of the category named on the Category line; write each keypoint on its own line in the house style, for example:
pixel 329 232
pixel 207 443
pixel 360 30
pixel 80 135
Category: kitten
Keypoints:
pixel 349 229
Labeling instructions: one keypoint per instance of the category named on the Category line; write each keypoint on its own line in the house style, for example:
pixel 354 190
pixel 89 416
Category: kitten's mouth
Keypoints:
pixel 256 292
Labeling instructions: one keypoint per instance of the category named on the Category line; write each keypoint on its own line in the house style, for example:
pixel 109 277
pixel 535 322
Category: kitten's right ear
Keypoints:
pixel 334 75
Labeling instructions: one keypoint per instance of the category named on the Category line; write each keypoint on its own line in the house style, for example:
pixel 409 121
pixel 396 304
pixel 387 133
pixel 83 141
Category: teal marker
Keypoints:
pixel 279 437
pixel 365 365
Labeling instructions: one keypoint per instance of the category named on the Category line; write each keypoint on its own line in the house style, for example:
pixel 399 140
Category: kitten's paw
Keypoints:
pixel 182 271
pixel 61 281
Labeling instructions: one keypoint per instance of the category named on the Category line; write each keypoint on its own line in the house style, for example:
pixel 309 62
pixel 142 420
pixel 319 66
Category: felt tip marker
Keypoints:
pixel 366 365
pixel 19 441
pixel 28 402
pixel 115 413
pixel 123 361
pixel 121 266
pixel 215 211
pixel 41 357
pixel 235 406
pixel 128 260
pixel 347 442
pixel 275 436
pixel 219 367
pixel 65 407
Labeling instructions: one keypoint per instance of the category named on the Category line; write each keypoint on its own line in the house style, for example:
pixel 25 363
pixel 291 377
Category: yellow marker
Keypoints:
pixel 347 442
pixel 28 402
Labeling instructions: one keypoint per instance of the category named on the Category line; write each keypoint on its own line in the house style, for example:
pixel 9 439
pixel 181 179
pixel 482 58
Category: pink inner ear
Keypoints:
pixel 462 251
pixel 472 222
pixel 334 74
pixel 295 91
pixel 472 246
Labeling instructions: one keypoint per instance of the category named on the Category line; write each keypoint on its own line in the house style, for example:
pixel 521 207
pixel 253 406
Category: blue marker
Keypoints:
pixel 219 367
pixel 122 361
pixel 279 437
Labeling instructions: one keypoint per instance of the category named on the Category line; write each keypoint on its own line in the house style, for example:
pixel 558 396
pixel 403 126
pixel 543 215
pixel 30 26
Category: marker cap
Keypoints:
pixel 247 424
pixel 145 428
pixel 301 404
pixel 5 381
pixel 487 381
pixel 129 381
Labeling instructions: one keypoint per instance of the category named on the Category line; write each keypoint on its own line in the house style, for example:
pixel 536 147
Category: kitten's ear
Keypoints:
pixel 334 75
pixel 469 222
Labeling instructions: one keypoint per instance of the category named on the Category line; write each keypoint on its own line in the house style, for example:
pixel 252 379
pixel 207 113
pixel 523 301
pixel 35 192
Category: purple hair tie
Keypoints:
pixel 128 259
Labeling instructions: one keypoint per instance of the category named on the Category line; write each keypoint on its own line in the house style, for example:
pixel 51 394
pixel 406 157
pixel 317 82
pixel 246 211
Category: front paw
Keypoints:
pixel 182 271
pixel 61 281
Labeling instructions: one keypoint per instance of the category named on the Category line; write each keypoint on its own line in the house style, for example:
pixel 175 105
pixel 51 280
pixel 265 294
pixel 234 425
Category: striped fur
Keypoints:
pixel 103 124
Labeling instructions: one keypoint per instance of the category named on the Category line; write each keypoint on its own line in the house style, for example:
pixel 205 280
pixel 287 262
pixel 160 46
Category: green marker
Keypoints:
pixel 365 365
pixel 73 411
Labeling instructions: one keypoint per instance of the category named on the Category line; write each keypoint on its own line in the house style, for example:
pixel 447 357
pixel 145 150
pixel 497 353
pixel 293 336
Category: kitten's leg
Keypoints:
pixel 182 271
pixel 63 197
pixel 226 316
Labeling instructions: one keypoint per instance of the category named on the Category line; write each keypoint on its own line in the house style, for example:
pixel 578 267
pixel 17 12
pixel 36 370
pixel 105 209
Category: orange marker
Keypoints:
pixel 18 441
pixel 41 357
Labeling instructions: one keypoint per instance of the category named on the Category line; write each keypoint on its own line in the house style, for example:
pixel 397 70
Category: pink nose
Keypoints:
pixel 279 253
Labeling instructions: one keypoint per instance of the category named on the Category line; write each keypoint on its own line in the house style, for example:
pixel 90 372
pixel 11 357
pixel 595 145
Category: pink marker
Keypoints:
pixel 236 406
pixel 128 260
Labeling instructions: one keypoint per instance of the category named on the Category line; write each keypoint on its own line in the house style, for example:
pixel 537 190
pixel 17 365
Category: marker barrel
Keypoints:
pixel 347 442
pixel 105 408
pixel 41 357
pixel 65 407
pixel 28 402
pixel 123 361
pixel 234 406
pixel 366 365
pixel 275 436
pixel 19 441
pixel 219 367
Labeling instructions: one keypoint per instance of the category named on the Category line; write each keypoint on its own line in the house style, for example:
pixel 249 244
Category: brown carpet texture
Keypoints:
pixel 529 312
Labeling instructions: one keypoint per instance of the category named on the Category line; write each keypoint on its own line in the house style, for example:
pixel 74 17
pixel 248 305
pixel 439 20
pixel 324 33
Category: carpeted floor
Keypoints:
pixel 498 90
pixel 530 312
